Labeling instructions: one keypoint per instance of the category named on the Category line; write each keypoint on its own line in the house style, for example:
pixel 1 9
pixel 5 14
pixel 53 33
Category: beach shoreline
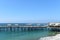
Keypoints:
pixel 56 37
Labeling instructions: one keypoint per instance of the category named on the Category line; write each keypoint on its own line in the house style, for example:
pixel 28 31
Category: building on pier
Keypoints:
pixel 54 26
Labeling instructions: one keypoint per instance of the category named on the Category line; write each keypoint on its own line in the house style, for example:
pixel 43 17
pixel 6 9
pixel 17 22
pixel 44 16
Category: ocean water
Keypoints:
pixel 25 35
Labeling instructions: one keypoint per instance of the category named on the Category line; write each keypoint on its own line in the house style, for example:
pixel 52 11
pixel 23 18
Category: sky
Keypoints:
pixel 29 11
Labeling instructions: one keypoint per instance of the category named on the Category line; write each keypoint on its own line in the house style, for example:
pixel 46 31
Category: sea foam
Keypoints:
pixel 56 37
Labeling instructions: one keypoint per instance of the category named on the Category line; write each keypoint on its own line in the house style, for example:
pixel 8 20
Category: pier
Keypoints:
pixel 20 27
pixel 13 27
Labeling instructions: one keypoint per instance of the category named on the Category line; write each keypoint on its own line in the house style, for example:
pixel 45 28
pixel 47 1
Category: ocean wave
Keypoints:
pixel 56 37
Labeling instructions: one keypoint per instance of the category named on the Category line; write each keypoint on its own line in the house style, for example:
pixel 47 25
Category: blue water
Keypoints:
pixel 28 35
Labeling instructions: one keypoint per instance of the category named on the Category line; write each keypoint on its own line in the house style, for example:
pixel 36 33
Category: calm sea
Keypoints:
pixel 31 35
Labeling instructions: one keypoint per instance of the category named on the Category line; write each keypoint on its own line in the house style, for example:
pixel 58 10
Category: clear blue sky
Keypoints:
pixel 29 11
